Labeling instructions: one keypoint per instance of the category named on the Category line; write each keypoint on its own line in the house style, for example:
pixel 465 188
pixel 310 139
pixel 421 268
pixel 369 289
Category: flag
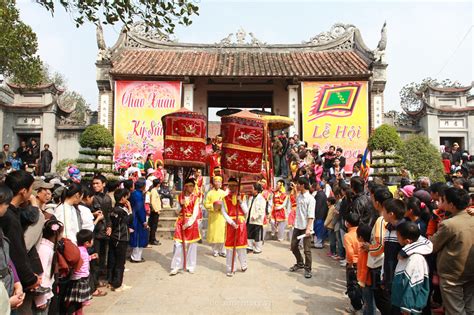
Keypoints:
pixel 365 165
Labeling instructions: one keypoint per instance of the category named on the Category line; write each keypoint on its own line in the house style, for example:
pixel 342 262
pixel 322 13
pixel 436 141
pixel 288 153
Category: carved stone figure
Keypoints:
pixel 337 31
pixel 104 52
pixel 140 29
pixel 240 38
pixel 379 52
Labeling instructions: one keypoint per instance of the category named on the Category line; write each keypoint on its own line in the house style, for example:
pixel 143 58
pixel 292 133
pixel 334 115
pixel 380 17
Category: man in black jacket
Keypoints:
pixel 361 203
pixel 22 153
pixel 120 217
pixel 342 160
pixel 46 157
pixel 320 215
pixel 20 182
pixel 100 204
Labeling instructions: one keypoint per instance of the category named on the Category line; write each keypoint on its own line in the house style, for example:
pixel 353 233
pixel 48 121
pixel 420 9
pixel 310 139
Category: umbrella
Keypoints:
pixel 228 111
pixel 277 122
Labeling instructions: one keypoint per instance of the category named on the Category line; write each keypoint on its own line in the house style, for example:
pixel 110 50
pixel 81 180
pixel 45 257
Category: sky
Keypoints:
pixel 425 38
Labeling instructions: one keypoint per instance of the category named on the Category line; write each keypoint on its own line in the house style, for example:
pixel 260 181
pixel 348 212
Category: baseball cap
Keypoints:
pixel 407 190
pixel 39 183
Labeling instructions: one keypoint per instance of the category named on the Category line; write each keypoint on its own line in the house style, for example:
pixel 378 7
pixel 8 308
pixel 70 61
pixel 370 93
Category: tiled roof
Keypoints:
pixel 40 87
pixel 450 89
pixel 239 63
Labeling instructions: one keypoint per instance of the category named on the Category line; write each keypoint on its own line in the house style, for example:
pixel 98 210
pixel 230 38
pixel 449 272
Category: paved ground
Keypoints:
pixel 266 287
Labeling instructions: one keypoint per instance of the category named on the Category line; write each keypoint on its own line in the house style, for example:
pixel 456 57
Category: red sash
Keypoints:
pixel 278 200
pixel 236 213
pixel 191 234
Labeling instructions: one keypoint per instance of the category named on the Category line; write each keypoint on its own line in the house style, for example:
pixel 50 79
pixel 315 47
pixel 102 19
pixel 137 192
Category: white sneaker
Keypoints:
pixel 174 272
pixel 215 254
pixel 343 263
pixel 229 274
pixel 191 271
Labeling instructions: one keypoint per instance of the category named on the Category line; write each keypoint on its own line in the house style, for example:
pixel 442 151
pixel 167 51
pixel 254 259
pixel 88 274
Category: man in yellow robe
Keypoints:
pixel 215 222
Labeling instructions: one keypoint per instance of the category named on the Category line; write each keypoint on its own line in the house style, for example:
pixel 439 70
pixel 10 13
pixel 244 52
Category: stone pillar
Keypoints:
pixel 377 87
pixel 377 105
pixel 293 109
pixel 105 86
pixel 188 96
pixel 470 133
pixel 104 109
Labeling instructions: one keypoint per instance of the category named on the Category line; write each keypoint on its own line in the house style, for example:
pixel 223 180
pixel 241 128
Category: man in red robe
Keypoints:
pixel 214 162
pixel 280 204
pixel 188 210
pixel 235 211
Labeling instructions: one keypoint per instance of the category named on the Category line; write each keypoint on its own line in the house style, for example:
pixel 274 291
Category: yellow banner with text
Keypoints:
pixel 336 113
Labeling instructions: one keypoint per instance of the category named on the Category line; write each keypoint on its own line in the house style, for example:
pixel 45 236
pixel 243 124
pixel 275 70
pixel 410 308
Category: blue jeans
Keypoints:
pixel 332 241
pixel 284 166
pixel 320 232
pixel 369 302
pixel 340 244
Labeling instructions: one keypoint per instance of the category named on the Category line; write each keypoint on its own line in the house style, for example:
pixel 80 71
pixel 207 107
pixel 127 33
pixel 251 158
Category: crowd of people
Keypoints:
pixel 63 240
pixel 405 248
pixel 27 156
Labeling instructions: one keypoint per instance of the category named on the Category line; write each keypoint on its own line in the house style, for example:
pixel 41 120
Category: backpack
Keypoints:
pixel 68 258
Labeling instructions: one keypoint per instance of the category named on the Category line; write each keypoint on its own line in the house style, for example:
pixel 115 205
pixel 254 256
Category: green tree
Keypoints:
pixel 384 138
pixel 422 158
pixel 18 47
pixel 18 43
pixel 96 137
pixel 160 14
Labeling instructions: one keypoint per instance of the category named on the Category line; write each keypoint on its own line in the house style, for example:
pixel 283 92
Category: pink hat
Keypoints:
pixel 407 190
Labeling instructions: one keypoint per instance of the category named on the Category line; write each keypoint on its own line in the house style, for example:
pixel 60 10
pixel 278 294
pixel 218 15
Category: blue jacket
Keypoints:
pixel 410 286
pixel 139 238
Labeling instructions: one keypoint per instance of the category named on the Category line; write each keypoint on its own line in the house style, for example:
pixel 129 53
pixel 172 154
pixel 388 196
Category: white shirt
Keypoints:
pixel 87 218
pixel 256 209
pixel 67 214
pixel 305 206
pixel 132 170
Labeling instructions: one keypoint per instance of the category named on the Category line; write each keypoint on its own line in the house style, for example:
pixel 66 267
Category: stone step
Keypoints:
pixel 166 222
pixel 164 233
pixel 168 212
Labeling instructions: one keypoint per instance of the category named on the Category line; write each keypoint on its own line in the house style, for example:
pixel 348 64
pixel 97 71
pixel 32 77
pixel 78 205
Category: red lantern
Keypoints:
pixel 184 138
pixel 242 143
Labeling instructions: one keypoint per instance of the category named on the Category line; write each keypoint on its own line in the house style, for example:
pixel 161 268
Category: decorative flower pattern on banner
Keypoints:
pixel 139 106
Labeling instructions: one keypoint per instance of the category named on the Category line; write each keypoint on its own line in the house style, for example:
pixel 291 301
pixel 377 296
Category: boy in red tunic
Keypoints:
pixel 280 204
pixel 188 210
pixel 234 212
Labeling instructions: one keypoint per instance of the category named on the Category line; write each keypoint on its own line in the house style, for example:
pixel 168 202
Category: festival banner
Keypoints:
pixel 139 106
pixel 336 113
